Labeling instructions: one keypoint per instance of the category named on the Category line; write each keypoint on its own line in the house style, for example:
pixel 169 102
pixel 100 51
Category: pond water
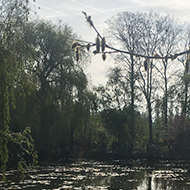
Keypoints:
pixel 88 174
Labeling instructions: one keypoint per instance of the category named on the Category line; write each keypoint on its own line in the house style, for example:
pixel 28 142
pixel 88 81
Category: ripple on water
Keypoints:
pixel 100 175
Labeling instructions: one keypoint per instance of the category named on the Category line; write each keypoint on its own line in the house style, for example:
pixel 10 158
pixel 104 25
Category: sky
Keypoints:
pixel 70 12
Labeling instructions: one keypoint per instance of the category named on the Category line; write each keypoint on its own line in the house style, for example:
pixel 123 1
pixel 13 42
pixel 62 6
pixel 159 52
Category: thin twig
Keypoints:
pixel 115 50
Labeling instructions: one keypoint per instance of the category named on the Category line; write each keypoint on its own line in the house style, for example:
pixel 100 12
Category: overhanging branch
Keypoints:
pixel 77 46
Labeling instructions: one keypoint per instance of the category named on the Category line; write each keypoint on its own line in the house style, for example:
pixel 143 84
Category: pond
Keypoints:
pixel 89 174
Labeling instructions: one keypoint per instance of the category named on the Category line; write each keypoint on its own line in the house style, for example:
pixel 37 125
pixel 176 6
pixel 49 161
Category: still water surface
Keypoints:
pixel 85 174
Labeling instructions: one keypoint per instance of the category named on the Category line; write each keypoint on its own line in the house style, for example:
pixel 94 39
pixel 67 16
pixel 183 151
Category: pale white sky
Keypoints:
pixel 69 11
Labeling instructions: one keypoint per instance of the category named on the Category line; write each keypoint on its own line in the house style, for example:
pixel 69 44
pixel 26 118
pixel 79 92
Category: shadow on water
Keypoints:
pixel 118 174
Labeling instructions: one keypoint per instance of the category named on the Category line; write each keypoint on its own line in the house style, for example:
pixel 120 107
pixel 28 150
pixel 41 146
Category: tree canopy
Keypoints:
pixel 48 110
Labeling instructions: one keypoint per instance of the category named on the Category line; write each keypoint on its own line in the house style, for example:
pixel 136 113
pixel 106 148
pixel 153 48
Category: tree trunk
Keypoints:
pixel 184 110
pixel 150 123
pixel 166 98
pixel 132 82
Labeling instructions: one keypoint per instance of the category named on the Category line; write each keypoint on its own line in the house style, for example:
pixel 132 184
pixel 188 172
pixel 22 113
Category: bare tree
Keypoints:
pixel 147 34
pixel 170 34
pixel 148 39
pixel 124 28
pixel 185 79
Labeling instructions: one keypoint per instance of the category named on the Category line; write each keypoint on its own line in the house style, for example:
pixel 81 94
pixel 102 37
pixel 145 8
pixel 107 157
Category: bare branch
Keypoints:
pixel 116 50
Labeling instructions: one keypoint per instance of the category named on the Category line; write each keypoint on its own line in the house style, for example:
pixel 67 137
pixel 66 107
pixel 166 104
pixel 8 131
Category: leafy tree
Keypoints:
pixel 101 139
pixel 118 88
pixel 177 136
pixel 116 123
pixel 61 97
pixel 13 15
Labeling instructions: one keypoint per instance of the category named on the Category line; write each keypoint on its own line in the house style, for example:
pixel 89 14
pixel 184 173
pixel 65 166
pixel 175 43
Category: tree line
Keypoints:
pixel 151 70
pixel 49 112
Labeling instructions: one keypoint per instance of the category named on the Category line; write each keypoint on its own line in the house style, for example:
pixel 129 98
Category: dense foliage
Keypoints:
pixel 47 107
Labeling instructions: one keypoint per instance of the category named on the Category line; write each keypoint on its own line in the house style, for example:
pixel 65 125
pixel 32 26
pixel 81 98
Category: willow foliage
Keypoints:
pixel 13 15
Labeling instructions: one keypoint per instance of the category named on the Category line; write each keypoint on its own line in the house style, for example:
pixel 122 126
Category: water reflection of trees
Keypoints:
pixel 149 183
pixel 99 175
pixel 129 181
pixel 115 177
pixel 166 181
pixel 170 184
pixel 132 181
